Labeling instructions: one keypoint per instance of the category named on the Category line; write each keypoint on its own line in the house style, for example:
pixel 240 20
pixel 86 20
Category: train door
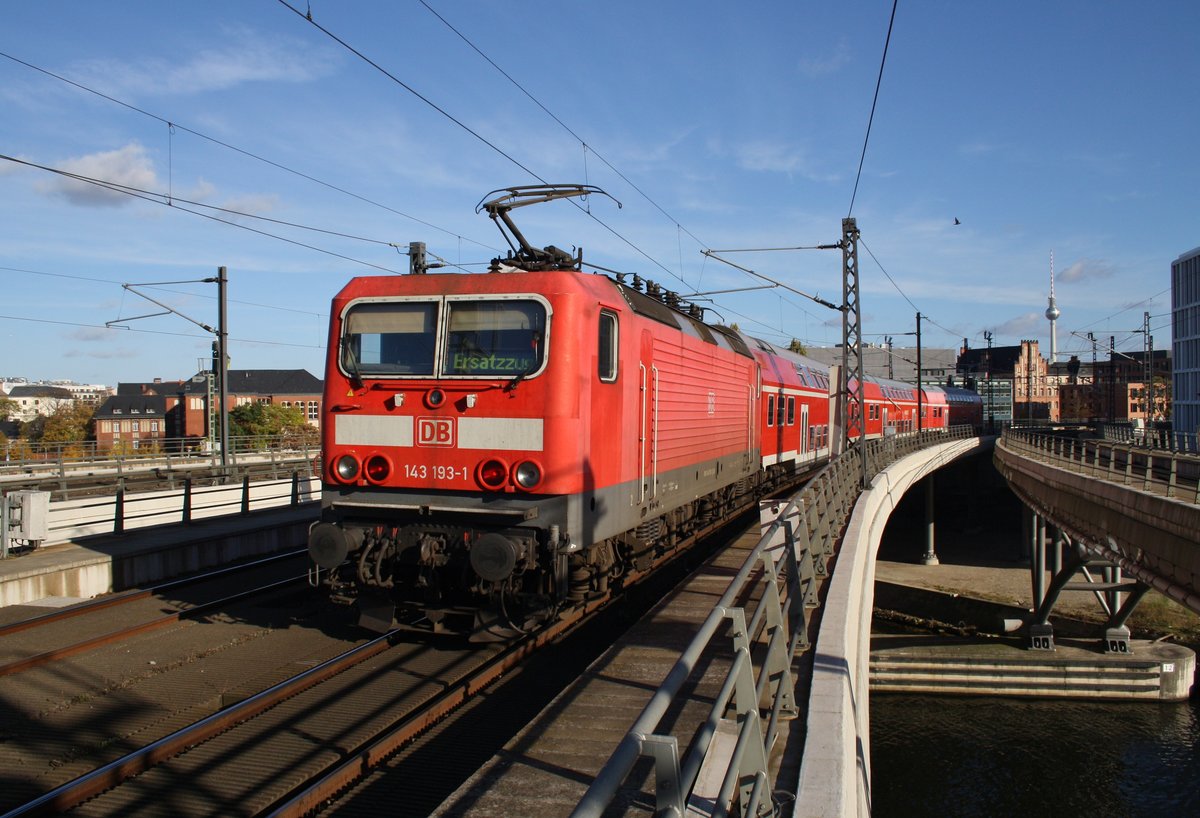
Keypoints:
pixel 803 448
pixel 648 421
pixel 883 410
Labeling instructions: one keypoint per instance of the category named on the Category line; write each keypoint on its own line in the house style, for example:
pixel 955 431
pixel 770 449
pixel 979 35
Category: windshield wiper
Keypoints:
pixel 520 376
pixel 356 379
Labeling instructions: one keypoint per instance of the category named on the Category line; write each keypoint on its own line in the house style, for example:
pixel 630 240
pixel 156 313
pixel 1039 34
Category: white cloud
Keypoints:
pixel 247 58
pixel 1023 326
pixel 823 65
pixel 777 157
pixel 128 166
pixel 256 204
pixel 1085 270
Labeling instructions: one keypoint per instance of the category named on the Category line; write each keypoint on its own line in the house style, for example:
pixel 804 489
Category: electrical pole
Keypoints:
pixel 1094 403
pixel 855 417
pixel 987 377
pixel 220 345
pixel 1112 378
pixel 920 392
pixel 223 372
pixel 1147 369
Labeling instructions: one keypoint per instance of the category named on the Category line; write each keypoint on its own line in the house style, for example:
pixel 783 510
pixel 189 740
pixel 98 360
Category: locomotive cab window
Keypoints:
pixel 501 338
pixel 607 368
pixel 390 338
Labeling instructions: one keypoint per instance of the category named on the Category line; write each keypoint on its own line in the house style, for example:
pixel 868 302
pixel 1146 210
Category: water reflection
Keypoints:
pixel 989 756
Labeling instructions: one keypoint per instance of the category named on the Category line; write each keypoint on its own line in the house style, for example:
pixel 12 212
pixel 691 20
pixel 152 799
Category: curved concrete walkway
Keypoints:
pixel 835 775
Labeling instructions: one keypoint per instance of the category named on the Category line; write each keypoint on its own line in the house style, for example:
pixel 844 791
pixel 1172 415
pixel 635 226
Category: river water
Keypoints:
pixel 966 756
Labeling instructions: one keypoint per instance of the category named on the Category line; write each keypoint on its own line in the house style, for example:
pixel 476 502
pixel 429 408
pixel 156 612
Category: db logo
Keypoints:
pixel 435 431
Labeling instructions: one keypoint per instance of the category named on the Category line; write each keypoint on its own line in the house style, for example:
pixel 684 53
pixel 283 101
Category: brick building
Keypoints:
pixel 295 388
pixel 183 414
pixel 130 423
pixel 1019 371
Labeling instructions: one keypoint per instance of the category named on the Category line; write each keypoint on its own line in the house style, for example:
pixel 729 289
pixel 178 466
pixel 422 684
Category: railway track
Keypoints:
pixel 101 692
pixel 292 747
pixel 30 637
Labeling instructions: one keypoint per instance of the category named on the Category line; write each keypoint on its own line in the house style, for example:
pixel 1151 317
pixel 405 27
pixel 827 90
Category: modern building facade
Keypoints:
pixel 1185 342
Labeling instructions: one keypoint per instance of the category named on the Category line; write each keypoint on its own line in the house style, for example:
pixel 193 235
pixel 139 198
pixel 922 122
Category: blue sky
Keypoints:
pixel 1064 127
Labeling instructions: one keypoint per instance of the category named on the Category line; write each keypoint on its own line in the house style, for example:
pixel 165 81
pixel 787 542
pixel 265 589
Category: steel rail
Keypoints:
pixel 103 778
pixel 124 597
pixel 46 657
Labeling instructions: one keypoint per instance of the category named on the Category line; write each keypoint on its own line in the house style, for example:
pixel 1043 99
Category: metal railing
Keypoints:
pixel 123 511
pixel 1168 472
pixel 20 457
pixel 779 579
pixel 1151 438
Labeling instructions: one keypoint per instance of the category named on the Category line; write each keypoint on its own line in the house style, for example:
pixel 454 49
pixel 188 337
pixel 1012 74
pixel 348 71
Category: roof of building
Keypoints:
pixel 132 405
pixel 996 360
pixel 41 391
pixel 157 387
pixel 903 360
pixel 263 382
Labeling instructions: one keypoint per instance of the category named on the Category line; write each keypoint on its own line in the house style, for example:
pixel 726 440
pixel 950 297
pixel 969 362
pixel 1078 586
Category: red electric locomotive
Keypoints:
pixel 499 446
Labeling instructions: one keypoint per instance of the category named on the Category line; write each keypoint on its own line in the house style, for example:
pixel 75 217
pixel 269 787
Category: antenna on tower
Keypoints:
pixel 1052 313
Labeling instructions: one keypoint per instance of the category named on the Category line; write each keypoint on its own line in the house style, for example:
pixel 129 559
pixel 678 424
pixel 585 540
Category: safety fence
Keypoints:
pixel 123 511
pixel 20 459
pixel 1174 474
pixel 761 622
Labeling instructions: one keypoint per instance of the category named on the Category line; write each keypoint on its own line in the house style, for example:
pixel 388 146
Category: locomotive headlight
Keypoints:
pixel 493 474
pixel 435 398
pixel 346 468
pixel 528 474
pixel 377 468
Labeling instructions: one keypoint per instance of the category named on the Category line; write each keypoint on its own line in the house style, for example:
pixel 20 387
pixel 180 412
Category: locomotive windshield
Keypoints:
pixel 390 338
pixel 478 338
pixel 502 338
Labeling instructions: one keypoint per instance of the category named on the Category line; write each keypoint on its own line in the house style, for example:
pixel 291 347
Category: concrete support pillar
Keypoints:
pixel 930 556
pixel 1038 567
pixel 1027 523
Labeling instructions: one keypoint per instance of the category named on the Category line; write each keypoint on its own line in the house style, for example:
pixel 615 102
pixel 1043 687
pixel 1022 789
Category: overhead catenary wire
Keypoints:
pixel 154 332
pixel 439 109
pixel 163 289
pixel 173 125
pixel 587 147
pixel 875 100
pixel 163 199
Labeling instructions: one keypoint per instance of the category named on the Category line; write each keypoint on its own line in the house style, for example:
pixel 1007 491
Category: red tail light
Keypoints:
pixel 493 474
pixel 377 469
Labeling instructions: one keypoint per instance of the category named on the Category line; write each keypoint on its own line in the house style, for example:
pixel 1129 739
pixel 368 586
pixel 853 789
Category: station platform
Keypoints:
pixel 69 572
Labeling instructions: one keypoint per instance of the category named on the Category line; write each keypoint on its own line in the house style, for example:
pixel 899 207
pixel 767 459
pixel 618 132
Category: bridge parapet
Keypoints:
pixel 1170 473
pixel 1138 507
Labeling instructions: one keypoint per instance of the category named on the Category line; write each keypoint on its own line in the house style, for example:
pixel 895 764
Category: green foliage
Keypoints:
pixel 67 422
pixel 70 421
pixel 8 407
pixel 265 420
pixel 797 347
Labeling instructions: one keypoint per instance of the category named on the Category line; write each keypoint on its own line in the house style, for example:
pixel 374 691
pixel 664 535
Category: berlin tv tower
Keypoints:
pixel 1052 313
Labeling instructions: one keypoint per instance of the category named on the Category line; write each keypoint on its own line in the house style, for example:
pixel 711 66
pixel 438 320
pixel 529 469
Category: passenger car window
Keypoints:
pixel 607 368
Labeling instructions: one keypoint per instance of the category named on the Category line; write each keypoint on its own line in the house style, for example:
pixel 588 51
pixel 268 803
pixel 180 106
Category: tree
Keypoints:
pixel 263 420
pixel 797 347
pixel 8 408
pixel 70 422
